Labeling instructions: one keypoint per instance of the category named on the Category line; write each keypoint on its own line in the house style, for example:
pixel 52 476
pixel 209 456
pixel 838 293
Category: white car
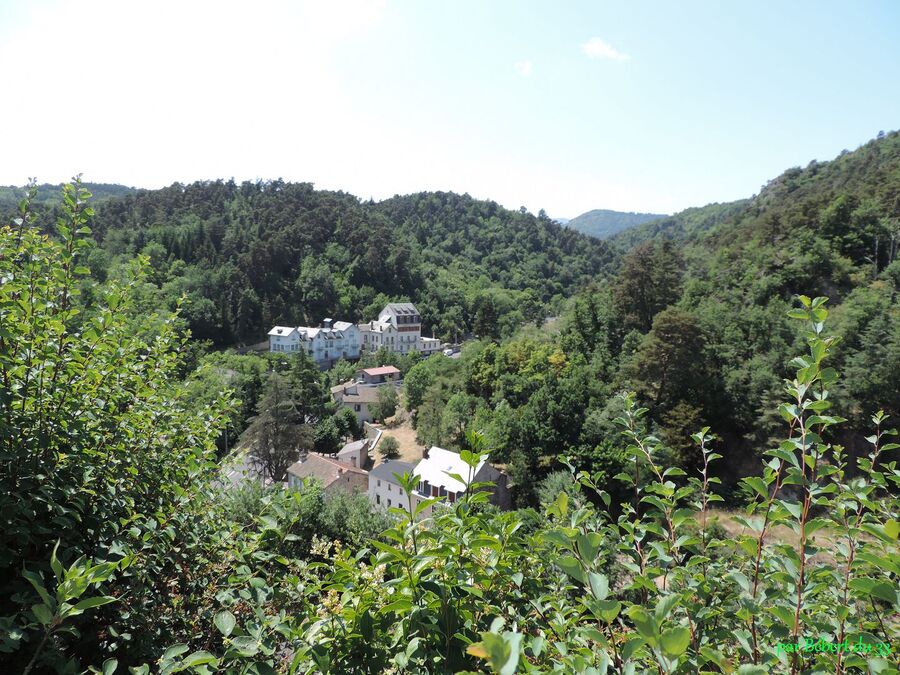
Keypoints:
pixel 448 352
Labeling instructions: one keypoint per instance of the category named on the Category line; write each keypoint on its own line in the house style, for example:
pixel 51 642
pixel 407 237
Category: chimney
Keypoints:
pixel 327 323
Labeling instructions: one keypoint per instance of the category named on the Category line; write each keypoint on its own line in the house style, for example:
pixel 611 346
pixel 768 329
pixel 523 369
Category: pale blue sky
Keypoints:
pixel 646 106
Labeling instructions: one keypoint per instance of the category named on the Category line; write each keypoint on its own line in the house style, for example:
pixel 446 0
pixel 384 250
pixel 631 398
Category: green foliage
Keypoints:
pixel 386 403
pixel 98 447
pixel 389 447
pixel 603 223
pixel 251 255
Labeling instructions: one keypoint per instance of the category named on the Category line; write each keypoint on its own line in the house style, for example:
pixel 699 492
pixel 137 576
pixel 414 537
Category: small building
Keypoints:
pixel 355 453
pixel 358 397
pixel 331 473
pixel 398 328
pixel 384 488
pixel 379 375
pixel 325 345
pixel 435 480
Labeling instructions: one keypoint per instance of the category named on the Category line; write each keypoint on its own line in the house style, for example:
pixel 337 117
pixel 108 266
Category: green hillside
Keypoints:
pixel 701 455
pixel 603 223
pixel 251 255
pixel 48 194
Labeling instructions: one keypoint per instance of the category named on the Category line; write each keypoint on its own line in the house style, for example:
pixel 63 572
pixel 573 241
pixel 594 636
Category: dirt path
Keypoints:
pixel 410 450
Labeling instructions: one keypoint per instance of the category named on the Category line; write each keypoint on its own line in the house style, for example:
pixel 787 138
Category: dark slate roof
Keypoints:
pixel 386 470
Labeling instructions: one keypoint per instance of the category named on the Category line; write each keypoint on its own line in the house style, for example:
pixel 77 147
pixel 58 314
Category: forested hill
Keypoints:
pixel 603 223
pixel 251 255
pixel 680 226
pixel 866 177
pixel 48 194
pixel 706 299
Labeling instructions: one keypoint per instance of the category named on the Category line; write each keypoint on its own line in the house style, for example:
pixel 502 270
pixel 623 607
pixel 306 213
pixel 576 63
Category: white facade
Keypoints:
pixel 325 345
pixel 398 328
pixel 384 489
pixel 435 479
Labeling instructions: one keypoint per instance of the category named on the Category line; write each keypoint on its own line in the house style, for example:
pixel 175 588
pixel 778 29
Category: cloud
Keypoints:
pixel 524 68
pixel 596 48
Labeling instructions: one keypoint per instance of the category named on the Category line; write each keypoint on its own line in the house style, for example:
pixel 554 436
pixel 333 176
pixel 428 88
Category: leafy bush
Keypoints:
pixel 389 447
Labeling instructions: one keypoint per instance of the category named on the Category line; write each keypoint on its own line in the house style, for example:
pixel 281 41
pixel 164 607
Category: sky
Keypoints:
pixel 568 106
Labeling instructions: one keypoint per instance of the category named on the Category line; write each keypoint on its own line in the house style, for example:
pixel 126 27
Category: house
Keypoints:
pixel 384 488
pixel 333 340
pixel 398 328
pixel 355 453
pixel 435 480
pixel 331 473
pixel 358 397
pixel 378 375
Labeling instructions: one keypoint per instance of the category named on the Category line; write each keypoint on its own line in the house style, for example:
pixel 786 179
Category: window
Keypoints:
pixel 442 492
pixel 379 483
pixel 452 497
pixel 377 499
pixel 389 487
pixel 356 407
pixel 389 502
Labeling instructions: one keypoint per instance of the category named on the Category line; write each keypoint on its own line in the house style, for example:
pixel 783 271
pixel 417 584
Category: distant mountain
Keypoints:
pixel 680 226
pixel 49 194
pixel 603 223
pixel 562 221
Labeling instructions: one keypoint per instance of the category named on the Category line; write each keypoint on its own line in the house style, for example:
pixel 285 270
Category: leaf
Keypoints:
pixel 759 485
pixel 608 609
pixel 664 607
pixel 644 623
pixel 892 529
pixel 572 567
pixel 174 650
pixel 109 666
pixel 675 641
pixel 245 645
pixel 599 585
pixel 502 651
pixel 225 622
pixel 38 584
pixel 198 659
pixel 43 614
pixel 55 564
pixel 94 602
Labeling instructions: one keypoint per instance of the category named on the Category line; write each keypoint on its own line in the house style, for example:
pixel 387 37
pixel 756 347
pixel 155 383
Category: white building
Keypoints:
pixel 384 488
pixel 398 328
pixel 332 341
pixel 435 480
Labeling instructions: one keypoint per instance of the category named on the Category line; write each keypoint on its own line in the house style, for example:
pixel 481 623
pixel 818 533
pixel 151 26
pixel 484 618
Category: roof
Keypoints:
pixel 281 330
pixel 323 469
pixel 376 326
pixel 439 463
pixel 381 370
pixel 364 394
pixel 342 325
pixel 354 447
pixel 386 470
pixel 401 308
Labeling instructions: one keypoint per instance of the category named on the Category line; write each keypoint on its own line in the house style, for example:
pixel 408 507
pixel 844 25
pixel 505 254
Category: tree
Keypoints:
pixel 389 447
pixel 649 281
pixel 386 404
pixel 101 454
pixel 347 422
pixel 279 433
pixel 669 365
pixel 328 436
